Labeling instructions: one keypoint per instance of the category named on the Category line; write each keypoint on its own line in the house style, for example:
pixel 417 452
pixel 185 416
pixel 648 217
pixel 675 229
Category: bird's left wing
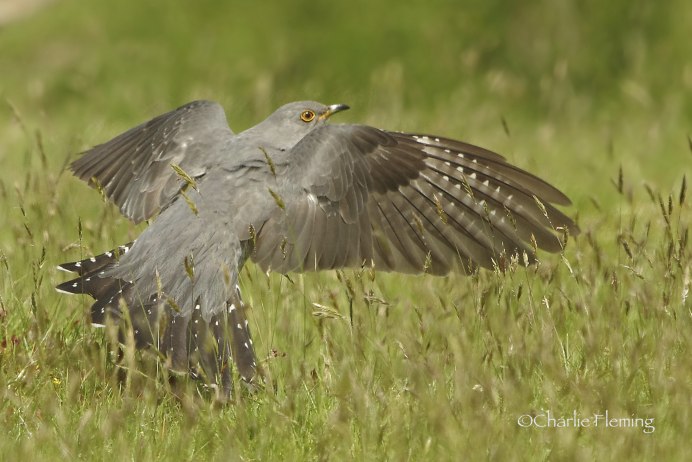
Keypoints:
pixel 355 195
pixel 136 169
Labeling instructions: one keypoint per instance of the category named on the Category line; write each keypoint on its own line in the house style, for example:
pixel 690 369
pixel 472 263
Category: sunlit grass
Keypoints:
pixel 365 365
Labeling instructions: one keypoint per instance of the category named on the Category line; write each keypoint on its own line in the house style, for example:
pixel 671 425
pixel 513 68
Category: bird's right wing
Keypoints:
pixel 356 195
pixel 136 169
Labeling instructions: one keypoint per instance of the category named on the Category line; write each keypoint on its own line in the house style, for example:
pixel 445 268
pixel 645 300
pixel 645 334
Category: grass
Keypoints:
pixel 368 366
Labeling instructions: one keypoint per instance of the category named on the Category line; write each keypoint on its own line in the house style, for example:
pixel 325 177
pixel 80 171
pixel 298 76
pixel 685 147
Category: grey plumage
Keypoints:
pixel 292 194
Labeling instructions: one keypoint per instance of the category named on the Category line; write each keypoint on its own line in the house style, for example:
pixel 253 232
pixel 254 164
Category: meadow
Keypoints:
pixel 595 98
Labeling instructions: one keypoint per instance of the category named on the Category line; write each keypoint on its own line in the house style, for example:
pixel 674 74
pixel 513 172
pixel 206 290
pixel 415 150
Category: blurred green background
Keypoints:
pixel 571 90
pixel 595 97
pixel 557 71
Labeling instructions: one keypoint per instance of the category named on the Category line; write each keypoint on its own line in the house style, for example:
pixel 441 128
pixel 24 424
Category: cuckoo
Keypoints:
pixel 291 194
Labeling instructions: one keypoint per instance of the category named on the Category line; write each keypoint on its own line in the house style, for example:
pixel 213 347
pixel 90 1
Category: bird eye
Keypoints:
pixel 307 116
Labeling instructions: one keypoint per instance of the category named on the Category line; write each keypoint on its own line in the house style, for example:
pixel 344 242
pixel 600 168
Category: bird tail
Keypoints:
pixel 184 339
pixel 92 281
pixel 212 344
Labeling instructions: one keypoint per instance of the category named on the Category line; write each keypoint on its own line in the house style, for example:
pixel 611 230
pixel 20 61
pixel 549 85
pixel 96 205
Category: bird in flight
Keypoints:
pixel 292 194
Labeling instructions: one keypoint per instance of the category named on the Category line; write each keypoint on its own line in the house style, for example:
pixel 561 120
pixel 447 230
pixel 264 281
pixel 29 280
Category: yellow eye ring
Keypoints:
pixel 307 116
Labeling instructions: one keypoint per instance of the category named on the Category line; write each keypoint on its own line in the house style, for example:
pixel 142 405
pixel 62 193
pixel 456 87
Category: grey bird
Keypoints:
pixel 292 194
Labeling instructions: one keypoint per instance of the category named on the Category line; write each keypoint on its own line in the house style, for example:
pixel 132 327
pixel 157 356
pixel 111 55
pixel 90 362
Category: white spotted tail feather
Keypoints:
pixel 106 291
pixel 188 340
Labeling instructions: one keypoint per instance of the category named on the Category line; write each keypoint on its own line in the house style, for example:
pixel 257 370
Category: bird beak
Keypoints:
pixel 333 109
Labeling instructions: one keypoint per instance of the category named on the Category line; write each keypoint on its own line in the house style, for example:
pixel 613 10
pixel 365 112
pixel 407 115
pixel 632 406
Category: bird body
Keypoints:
pixel 293 194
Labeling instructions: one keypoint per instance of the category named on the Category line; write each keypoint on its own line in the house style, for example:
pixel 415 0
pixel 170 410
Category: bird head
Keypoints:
pixel 293 121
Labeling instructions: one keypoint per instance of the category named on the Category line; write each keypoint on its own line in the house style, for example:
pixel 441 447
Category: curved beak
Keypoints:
pixel 333 109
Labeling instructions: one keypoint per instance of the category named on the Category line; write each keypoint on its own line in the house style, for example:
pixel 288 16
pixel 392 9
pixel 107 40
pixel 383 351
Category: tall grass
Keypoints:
pixel 595 98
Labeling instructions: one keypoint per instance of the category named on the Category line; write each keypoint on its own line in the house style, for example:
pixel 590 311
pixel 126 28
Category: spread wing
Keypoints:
pixel 134 168
pixel 404 202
